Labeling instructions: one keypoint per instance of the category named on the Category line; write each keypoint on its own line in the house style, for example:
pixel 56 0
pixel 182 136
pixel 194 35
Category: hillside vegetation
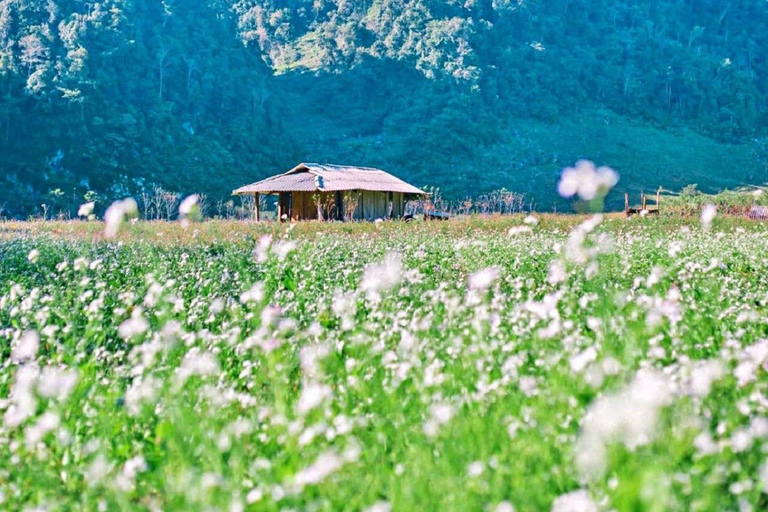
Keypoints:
pixel 206 95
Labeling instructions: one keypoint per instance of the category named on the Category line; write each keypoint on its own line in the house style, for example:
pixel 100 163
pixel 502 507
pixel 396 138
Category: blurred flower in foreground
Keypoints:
pixel 116 213
pixel 188 205
pixel 628 416
pixel 586 180
pixel 576 501
pixel 26 348
pixel 381 277
pixel 483 279
pixel 85 210
pixel 708 215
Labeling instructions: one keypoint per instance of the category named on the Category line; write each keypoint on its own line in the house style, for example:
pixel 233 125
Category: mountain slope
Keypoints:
pixel 205 95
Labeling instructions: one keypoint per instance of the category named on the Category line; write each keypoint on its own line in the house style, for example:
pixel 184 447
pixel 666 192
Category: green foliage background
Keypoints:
pixel 206 95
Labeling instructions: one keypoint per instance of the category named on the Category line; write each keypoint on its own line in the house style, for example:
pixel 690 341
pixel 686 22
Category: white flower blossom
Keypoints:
pixel 25 349
pixel 86 210
pixel 324 466
pixel 312 395
pixel 708 214
pixel 586 180
pixel 483 279
pixel 380 277
pixel 115 215
pixel 188 205
pixel 576 501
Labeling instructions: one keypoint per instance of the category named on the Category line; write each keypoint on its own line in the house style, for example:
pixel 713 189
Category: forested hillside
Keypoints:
pixel 206 95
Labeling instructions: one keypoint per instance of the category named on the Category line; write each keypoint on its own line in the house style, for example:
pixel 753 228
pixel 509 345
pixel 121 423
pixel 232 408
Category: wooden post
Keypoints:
pixel 256 206
pixel 658 199
pixel 626 204
pixel 644 203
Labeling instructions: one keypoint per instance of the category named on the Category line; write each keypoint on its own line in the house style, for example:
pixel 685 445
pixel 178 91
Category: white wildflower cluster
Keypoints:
pixel 576 501
pixel 86 210
pixel 380 277
pixel 628 416
pixel 586 180
pixel 116 214
pixel 708 214
pixel 483 279
pixel 439 415
pixel 327 362
pixel 281 248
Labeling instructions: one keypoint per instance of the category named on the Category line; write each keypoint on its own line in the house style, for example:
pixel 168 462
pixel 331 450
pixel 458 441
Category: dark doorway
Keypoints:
pixel 339 205
pixel 284 206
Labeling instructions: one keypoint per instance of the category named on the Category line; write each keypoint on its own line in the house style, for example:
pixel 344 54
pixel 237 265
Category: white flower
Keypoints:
pixel 708 215
pixel 45 423
pixel 383 276
pixel 704 444
pixel 557 273
pixel 26 348
pixel 56 383
pixel 115 215
pixel 531 220
pixel 33 256
pixel 262 248
pixel 312 395
pixel 325 465
pixel 628 416
pixel 134 326
pixel 440 414
pixel 576 501
pixel 187 206
pixel 750 360
pixel 142 390
pixel 519 230
pixel 22 399
pixel 586 180
pixel 254 294
pixel 704 374
pixel 483 279
pixel 741 440
pixel 283 249
pixel 380 506
pixel 254 495
pixel 504 506
pixel 580 361
pixel 97 470
pixel 125 480
pixel 85 210
pixel 475 469
pixel 196 363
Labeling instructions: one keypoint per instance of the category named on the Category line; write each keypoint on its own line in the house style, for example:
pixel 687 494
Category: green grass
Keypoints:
pixel 428 394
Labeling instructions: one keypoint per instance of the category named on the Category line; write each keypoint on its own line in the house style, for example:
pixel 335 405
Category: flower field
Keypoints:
pixel 561 363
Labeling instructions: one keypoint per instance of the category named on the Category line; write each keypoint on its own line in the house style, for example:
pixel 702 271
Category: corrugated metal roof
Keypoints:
pixel 329 178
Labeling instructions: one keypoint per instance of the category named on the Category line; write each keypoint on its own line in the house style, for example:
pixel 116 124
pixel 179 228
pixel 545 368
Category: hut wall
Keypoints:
pixel 303 206
pixel 370 205
pixel 398 205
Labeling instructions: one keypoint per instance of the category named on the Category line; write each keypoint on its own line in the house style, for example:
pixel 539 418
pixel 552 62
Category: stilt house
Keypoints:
pixel 334 192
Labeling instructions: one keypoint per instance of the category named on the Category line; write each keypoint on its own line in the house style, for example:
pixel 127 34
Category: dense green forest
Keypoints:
pixel 118 96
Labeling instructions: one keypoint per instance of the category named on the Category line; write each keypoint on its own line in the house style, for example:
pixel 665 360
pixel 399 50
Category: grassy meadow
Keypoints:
pixel 565 363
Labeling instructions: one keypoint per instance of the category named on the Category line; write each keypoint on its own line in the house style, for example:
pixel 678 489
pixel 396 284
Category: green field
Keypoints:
pixel 476 364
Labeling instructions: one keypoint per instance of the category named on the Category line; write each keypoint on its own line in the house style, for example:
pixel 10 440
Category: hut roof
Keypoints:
pixel 329 178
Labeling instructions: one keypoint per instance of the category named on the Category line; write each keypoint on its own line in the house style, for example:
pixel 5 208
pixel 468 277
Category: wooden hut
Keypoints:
pixel 334 192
